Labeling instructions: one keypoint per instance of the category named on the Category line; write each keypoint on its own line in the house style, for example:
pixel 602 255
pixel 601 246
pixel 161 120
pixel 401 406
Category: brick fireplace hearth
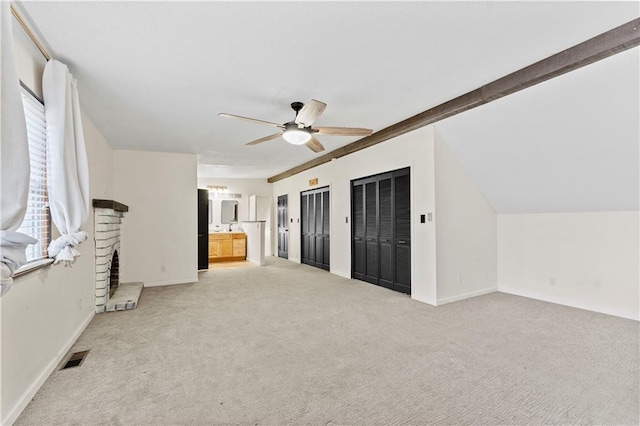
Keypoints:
pixel 108 216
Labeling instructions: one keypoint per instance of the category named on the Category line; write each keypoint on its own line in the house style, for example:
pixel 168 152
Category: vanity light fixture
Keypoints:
pixel 217 188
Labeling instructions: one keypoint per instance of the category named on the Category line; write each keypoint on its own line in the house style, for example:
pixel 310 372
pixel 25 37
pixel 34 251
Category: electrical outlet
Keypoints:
pixel 163 268
pixel 552 281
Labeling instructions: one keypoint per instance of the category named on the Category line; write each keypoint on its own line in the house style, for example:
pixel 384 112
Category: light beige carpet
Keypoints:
pixel 229 265
pixel 291 344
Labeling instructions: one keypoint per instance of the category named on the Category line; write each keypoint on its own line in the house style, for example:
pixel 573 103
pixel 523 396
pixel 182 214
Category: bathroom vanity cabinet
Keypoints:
pixel 227 246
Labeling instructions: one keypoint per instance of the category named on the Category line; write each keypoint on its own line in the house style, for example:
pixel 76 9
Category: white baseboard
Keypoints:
pixel 424 300
pixel 31 391
pixel 531 295
pixel 463 296
pixel 171 282
pixel 342 274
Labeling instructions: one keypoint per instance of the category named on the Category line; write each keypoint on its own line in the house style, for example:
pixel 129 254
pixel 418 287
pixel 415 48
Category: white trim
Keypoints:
pixel 171 282
pixel 424 300
pixel 413 224
pixel 31 391
pixel 469 295
pixel 342 274
pixel 36 264
pixel 613 312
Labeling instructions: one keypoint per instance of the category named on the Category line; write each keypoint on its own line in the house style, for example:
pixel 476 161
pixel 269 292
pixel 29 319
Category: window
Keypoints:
pixel 37 221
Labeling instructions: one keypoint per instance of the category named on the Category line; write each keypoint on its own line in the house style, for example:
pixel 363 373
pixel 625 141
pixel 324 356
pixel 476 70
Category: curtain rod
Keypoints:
pixel 27 30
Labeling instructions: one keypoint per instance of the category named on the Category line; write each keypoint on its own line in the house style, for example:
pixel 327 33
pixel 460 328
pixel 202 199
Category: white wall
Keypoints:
pixel 593 258
pixel 262 208
pixel 159 232
pixel 466 227
pixel 239 186
pixel 415 150
pixel 46 310
pixel 29 61
pixel 245 187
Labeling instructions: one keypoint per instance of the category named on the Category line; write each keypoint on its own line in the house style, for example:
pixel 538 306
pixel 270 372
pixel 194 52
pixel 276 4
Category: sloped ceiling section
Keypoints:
pixel 571 144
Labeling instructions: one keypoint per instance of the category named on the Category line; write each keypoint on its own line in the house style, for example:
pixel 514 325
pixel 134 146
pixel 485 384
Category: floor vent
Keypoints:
pixel 75 360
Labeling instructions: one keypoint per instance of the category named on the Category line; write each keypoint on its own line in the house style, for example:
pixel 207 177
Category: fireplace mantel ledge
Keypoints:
pixel 110 204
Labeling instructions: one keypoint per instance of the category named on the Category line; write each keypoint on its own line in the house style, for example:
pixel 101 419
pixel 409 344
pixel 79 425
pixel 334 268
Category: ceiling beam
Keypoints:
pixel 614 41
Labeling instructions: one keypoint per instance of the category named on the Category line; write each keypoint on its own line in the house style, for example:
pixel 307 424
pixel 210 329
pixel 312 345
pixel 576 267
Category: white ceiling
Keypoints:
pixel 154 76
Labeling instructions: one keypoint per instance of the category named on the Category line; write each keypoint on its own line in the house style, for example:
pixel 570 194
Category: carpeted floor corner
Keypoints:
pixel 288 344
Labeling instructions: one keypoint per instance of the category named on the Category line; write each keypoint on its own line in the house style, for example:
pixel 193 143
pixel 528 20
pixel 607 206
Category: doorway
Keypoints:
pixel 315 227
pixel 283 227
pixel 381 230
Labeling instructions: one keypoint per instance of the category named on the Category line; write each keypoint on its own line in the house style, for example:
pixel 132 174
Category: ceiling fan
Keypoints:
pixel 299 131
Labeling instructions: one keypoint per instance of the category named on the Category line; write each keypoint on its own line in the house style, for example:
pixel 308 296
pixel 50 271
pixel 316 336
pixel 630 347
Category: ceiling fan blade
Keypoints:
pixel 314 145
pixel 250 120
pixel 265 139
pixel 344 131
pixel 310 112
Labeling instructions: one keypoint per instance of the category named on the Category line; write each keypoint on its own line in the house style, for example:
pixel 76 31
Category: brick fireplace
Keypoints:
pixel 108 216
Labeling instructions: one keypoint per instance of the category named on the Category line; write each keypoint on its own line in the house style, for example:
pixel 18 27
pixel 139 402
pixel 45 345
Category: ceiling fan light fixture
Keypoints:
pixel 296 136
pixel 299 131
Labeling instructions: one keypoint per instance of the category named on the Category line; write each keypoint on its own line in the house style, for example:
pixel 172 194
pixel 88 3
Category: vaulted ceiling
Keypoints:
pixel 568 144
pixel 154 76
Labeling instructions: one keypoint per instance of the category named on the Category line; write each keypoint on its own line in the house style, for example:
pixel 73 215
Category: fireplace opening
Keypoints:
pixel 114 274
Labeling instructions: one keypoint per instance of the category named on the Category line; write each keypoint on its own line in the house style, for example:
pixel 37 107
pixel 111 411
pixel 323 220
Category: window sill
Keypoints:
pixel 30 267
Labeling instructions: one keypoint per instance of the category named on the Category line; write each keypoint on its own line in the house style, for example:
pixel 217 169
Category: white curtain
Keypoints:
pixel 67 168
pixel 14 159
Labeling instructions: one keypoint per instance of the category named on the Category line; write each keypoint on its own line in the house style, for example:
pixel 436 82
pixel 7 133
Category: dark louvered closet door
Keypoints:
pixel 381 230
pixel 402 234
pixel 371 232
pixel 304 227
pixel 311 236
pixel 326 229
pixel 318 237
pixel 357 248
pixel 385 230
pixel 315 224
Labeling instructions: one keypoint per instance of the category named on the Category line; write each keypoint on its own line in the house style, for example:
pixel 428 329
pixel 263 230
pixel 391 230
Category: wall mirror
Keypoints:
pixel 229 211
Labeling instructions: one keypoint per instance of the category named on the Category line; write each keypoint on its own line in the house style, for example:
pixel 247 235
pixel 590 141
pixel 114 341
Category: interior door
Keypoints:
pixel 283 227
pixel 371 232
pixel 357 222
pixel 315 227
pixel 203 229
pixel 385 232
pixel 326 230
pixel 381 230
pixel 402 233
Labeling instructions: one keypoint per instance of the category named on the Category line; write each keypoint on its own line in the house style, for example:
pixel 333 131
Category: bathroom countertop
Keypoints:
pixel 226 232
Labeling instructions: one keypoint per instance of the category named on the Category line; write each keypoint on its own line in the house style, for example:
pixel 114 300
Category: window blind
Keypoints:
pixel 37 220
